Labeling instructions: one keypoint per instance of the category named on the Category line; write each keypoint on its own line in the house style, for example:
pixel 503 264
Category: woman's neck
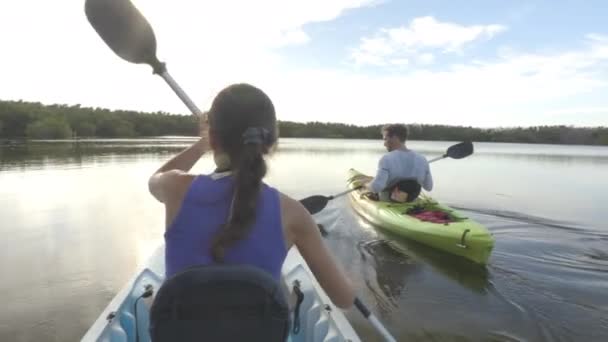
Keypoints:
pixel 222 162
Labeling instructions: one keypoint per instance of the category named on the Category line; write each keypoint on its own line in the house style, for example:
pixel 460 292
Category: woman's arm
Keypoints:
pixel 312 248
pixel 165 178
pixel 186 158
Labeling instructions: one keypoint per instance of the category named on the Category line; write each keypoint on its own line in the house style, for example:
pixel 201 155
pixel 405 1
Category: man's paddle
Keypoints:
pixel 316 203
pixel 458 151
pixel 131 37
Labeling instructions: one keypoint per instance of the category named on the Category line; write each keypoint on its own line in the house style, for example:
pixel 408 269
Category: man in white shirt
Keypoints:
pixel 400 163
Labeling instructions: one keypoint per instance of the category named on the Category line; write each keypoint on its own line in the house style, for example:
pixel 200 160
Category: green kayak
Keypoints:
pixel 461 236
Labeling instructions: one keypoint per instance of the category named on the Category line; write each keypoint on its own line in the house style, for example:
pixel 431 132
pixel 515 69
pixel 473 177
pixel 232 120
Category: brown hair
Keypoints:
pixel 398 130
pixel 242 121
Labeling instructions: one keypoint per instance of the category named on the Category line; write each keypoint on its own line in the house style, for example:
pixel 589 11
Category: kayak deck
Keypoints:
pixel 461 236
pixel 320 320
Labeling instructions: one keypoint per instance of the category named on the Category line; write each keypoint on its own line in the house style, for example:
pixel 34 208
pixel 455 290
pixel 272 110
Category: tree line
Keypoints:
pixel 33 120
pixel 531 135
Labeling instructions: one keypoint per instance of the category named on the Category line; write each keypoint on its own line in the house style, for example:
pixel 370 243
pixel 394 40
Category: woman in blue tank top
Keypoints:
pixel 232 216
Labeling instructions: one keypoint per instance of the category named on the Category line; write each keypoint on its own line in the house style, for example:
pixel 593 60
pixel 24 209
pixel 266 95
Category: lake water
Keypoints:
pixel 76 220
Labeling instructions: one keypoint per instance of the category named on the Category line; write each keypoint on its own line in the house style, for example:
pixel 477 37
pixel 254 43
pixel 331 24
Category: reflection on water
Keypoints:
pixel 40 153
pixel 461 271
pixel 391 272
pixel 76 219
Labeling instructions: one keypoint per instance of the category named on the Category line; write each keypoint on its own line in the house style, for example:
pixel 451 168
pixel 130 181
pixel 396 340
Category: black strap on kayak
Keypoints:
pixel 296 314
pixel 148 291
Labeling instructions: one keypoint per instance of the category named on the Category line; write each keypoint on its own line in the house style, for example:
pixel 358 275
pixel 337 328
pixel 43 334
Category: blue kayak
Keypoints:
pixel 319 319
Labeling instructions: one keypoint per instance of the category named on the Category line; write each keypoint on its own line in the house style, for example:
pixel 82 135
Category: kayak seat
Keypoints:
pixel 220 303
pixel 404 190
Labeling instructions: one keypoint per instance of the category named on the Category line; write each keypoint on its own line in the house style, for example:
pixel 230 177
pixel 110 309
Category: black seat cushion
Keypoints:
pixel 220 303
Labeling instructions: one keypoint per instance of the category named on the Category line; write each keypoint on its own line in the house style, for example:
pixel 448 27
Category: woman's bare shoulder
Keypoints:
pixel 291 207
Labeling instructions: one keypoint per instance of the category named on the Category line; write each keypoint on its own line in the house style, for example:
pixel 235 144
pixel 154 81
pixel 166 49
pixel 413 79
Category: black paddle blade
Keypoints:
pixel 314 204
pixel 124 29
pixel 461 150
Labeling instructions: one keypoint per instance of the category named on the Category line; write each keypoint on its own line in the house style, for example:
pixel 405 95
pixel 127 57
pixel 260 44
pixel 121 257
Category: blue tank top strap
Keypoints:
pixel 204 186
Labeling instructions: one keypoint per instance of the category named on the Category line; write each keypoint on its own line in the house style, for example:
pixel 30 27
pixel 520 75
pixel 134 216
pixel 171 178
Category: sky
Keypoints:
pixel 483 63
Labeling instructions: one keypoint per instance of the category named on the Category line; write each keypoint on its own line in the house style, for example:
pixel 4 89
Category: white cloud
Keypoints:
pixel 515 89
pixel 260 23
pixel 423 33
pixel 597 37
pixel 400 61
pixel 428 32
pixel 373 52
pixel 293 37
pixel 426 58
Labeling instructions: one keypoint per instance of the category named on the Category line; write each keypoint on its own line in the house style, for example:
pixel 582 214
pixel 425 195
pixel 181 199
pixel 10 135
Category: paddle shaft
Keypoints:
pixel 342 193
pixel 180 93
pixel 374 321
pixel 437 158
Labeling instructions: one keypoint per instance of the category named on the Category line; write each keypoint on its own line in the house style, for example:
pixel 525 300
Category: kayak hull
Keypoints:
pixel 320 320
pixel 463 237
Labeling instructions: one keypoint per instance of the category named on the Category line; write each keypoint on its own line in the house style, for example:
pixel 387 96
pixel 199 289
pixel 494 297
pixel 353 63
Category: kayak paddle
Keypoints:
pixel 125 30
pixel 458 151
pixel 316 203
pixel 374 321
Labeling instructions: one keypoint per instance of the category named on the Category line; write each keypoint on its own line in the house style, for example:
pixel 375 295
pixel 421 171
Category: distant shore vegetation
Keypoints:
pixel 33 120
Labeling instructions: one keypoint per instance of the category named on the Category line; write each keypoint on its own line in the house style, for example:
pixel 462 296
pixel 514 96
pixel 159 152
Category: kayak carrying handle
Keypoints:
pixel 464 235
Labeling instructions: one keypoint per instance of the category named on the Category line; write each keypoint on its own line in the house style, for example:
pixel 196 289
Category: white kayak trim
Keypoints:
pixel 320 319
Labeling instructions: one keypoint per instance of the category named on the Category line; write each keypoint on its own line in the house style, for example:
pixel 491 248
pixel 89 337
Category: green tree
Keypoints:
pixel 124 129
pixel 49 128
pixel 84 129
pixel 15 117
pixel 19 119
pixel 146 128
pixel 112 126
pixel 602 138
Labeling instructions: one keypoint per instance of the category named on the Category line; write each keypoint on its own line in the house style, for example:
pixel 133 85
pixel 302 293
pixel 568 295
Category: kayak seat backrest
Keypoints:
pixel 407 185
pixel 220 303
